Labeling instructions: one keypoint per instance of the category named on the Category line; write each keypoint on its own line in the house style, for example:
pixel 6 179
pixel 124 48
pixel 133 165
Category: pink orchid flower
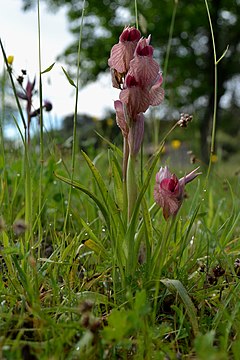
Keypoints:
pixel 135 132
pixel 143 67
pixel 134 97
pixel 120 118
pixel 169 191
pixel 122 53
pixel 142 86
pixel 137 98
pixel 138 75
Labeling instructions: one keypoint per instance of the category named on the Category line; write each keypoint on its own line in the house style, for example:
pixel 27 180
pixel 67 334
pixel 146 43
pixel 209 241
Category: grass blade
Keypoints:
pixel 175 286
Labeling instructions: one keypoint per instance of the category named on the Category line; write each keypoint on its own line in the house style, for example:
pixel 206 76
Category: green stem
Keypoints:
pixel 75 119
pixel 41 130
pixel 170 39
pixel 28 198
pixel 131 185
pixel 125 158
pixel 136 13
pixel 215 92
pixel 125 164
pixel 3 83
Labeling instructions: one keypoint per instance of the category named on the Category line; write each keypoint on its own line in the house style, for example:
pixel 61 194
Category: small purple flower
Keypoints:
pixel 47 105
pixel 27 95
pixel 169 191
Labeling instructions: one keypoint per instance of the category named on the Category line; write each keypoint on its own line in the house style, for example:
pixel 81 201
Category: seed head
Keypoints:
pixel 184 120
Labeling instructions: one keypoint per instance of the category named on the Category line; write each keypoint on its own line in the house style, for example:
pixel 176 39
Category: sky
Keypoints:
pixel 19 34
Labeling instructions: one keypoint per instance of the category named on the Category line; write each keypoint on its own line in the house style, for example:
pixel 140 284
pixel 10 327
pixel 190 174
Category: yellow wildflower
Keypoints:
pixel 214 158
pixel 10 59
pixel 175 144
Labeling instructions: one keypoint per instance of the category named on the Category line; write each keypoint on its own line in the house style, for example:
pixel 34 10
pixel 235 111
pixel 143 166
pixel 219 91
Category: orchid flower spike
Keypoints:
pixel 169 191
pixel 138 76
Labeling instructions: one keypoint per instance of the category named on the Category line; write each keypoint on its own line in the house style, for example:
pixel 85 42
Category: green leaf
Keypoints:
pixel 94 246
pixel 175 286
pixel 93 243
pixel 80 187
pixel 118 185
pixel 145 185
pixel 132 226
pixel 48 69
pixel 71 82
pixel 114 211
pixel 96 279
pixel 147 222
pixel 204 346
pixel 112 146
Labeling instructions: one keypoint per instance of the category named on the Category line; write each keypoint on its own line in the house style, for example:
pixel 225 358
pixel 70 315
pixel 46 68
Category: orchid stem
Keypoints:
pixel 125 165
pixel 136 13
pixel 131 185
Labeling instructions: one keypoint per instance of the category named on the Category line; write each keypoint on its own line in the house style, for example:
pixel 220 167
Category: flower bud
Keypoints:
pixel 169 191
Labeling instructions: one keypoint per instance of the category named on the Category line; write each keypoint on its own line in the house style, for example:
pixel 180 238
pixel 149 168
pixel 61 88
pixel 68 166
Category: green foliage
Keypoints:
pixel 43 288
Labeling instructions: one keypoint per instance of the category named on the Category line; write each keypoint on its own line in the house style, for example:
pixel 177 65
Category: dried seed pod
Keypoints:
pixel 237 266
pixel 218 271
pixel 184 120
pixel 212 280
pixel 86 306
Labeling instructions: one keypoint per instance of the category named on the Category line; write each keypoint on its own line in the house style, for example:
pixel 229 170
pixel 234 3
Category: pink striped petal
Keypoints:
pixel 136 132
pixel 145 70
pixel 136 100
pixel 120 118
pixel 156 93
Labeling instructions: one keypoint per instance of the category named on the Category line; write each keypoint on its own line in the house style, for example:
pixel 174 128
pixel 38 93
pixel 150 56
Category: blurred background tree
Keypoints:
pixel 189 70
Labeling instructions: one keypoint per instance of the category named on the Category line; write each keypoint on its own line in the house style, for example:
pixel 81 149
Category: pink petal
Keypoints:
pixel 189 177
pixel 136 132
pixel 136 100
pixel 170 185
pixel 142 43
pixel 162 174
pixel 117 79
pixel 121 55
pixel 130 34
pixel 145 70
pixel 156 93
pixel 171 207
pixel 120 118
pixel 170 203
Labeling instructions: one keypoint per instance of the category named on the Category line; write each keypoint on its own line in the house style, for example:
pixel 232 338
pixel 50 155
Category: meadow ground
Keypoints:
pixel 67 291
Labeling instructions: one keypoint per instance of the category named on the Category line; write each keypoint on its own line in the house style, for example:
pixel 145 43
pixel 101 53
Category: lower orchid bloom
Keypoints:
pixel 169 191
